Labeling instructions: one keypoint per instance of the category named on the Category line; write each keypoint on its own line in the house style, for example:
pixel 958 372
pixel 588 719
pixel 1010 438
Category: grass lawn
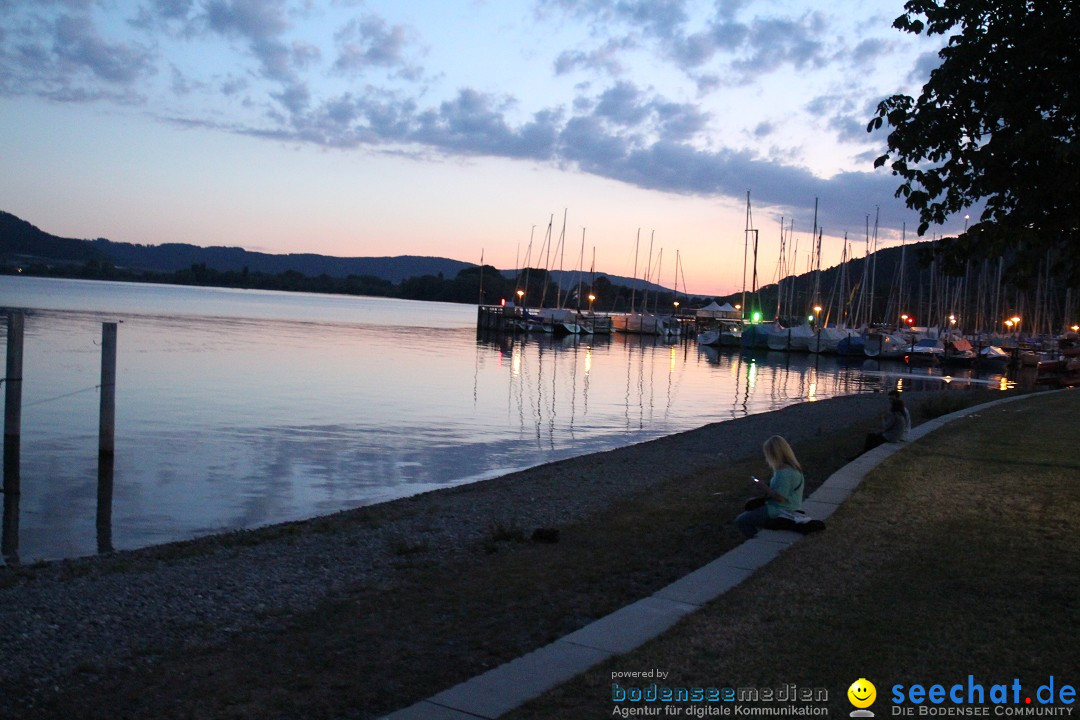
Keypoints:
pixel 957 556
pixel 376 648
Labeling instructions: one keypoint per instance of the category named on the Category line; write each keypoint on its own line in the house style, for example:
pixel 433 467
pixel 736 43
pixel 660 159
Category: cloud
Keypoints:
pixel 924 65
pixel 604 59
pixel 370 42
pixel 65 57
pixel 277 81
pixel 653 17
pixel 257 20
pixel 77 43
pixel 472 123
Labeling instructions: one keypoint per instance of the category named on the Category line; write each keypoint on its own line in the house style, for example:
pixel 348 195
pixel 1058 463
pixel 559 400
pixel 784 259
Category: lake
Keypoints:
pixel 242 408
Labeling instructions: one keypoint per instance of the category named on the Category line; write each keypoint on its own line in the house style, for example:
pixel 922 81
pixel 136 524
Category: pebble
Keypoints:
pixel 100 612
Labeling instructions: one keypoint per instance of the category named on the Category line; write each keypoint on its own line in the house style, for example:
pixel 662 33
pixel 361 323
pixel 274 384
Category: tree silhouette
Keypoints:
pixel 996 124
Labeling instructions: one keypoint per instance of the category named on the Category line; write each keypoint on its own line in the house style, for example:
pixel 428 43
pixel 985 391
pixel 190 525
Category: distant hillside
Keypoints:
pixel 21 240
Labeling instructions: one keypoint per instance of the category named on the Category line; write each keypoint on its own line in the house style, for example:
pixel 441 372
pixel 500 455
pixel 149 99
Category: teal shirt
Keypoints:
pixel 788 482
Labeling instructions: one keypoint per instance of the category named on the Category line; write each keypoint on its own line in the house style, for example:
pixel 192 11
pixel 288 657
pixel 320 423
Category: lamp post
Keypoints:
pixel 521 298
pixel 591 298
pixel 817 316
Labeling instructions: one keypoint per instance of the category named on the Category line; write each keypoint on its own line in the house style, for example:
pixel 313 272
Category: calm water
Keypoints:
pixel 242 408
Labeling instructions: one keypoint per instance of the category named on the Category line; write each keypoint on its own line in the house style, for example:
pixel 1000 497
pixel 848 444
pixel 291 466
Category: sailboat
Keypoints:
pixel 642 322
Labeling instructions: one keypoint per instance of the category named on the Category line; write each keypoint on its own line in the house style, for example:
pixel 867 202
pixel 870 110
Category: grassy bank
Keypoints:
pixel 375 648
pixel 955 557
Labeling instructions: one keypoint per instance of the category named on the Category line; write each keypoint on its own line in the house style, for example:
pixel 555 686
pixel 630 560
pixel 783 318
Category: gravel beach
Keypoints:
pixel 109 611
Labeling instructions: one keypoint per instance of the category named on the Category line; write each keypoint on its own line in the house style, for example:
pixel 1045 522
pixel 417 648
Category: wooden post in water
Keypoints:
pixel 104 503
pixel 107 424
pixel 13 402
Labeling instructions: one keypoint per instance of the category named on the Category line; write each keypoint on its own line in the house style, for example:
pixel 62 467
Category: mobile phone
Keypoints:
pixel 754 479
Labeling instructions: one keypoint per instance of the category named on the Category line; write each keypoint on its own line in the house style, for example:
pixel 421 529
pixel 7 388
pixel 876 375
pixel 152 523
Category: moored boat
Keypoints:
pixel 992 357
pixel 928 351
pixel 884 345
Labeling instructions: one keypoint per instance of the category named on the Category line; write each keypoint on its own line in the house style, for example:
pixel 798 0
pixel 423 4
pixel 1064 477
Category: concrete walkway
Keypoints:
pixel 511 685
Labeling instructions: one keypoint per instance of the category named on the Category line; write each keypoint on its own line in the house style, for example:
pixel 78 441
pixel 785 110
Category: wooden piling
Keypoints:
pixel 104 503
pixel 13 405
pixel 107 421
pixel 13 379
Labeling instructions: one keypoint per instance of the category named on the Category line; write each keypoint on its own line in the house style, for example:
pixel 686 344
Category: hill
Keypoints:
pixel 19 240
pixel 21 243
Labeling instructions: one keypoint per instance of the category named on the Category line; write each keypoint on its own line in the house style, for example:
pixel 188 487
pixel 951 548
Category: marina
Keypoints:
pixel 237 409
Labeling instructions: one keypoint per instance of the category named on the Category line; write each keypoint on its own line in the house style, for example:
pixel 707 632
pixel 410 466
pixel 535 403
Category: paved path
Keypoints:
pixel 511 685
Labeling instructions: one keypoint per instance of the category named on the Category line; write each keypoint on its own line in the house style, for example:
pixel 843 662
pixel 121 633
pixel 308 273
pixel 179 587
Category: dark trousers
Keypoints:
pixel 873 440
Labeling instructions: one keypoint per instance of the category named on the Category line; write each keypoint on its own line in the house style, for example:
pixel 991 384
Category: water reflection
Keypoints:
pixel 230 422
pixel 9 537
pixel 103 521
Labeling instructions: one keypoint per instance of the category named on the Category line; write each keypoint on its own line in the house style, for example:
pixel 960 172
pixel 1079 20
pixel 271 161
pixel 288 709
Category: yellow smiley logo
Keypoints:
pixel 862 693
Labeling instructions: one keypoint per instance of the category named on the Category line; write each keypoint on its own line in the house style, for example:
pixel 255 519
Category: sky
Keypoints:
pixel 462 128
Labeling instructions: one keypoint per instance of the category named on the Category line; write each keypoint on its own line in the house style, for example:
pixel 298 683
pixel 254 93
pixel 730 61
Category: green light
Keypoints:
pixel 757 317
pixel 810 318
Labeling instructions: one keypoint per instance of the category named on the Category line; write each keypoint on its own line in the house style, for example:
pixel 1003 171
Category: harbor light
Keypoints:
pixel 591 298
pixel 1075 328
pixel 521 297
pixel 756 317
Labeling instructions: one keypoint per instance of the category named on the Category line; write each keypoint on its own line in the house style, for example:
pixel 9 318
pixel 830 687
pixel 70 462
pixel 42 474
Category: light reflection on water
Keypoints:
pixel 238 409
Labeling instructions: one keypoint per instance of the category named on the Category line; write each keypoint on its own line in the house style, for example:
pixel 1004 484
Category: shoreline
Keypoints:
pixel 110 610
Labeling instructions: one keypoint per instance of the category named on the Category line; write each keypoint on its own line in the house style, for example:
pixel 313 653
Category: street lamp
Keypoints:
pixel 817 315
pixel 521 297
pixel 1016 323
pixel 591 298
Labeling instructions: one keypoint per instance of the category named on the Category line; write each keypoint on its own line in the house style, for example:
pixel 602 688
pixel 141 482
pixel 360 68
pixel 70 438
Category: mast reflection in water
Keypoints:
pixel 236 409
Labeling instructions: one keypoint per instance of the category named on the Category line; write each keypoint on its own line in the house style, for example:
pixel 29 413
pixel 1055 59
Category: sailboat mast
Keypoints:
pixel 648 275
pixel 780 268
pixel 580 266
pixel 815 239
pixel 562 253
pixel 675 287
pixel 746 242
pixel 873 272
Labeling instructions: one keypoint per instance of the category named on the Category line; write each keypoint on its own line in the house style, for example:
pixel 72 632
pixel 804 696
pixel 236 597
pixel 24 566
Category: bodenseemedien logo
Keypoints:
pixel 862 694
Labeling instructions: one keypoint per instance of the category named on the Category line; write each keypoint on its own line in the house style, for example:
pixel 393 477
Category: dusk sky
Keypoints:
pixel 369 128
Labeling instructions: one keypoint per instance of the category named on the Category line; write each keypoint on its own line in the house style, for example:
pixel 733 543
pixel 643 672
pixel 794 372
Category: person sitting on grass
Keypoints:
pixel 783 494
pixel 895 426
